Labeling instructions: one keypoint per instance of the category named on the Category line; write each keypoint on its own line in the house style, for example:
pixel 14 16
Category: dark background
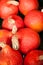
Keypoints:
pixel 41 3
pixel 41 33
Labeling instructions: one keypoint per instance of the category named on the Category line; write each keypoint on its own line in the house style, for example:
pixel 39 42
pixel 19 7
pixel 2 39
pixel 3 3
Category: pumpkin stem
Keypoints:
pixel 41 57
pixel 41 10
pixel 11 21
pixel 15 43
pixel 16 3
pixel 14 29
pixel 2 45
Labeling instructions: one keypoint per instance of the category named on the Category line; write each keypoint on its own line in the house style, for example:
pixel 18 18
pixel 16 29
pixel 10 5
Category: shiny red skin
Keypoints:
pixel 33 58
pixel 4 1
pixel 0 12
pixel 42 17
pixel 34 20
pixel 27 5
pixel 8 9
pixel 5 36
pixel 8 56
pixel 28 39
pixel 18 22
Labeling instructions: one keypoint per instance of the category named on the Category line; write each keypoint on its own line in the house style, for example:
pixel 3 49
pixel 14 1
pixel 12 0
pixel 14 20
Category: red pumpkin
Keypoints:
pixel 34 57
pixel 8 8
pixel 0 10
pixel 26 5
pixel 4 0
pixel 8 56
pixel 42 16
pixel 26 39
pixel 34 20
pixel 5 36
pixel 13 23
